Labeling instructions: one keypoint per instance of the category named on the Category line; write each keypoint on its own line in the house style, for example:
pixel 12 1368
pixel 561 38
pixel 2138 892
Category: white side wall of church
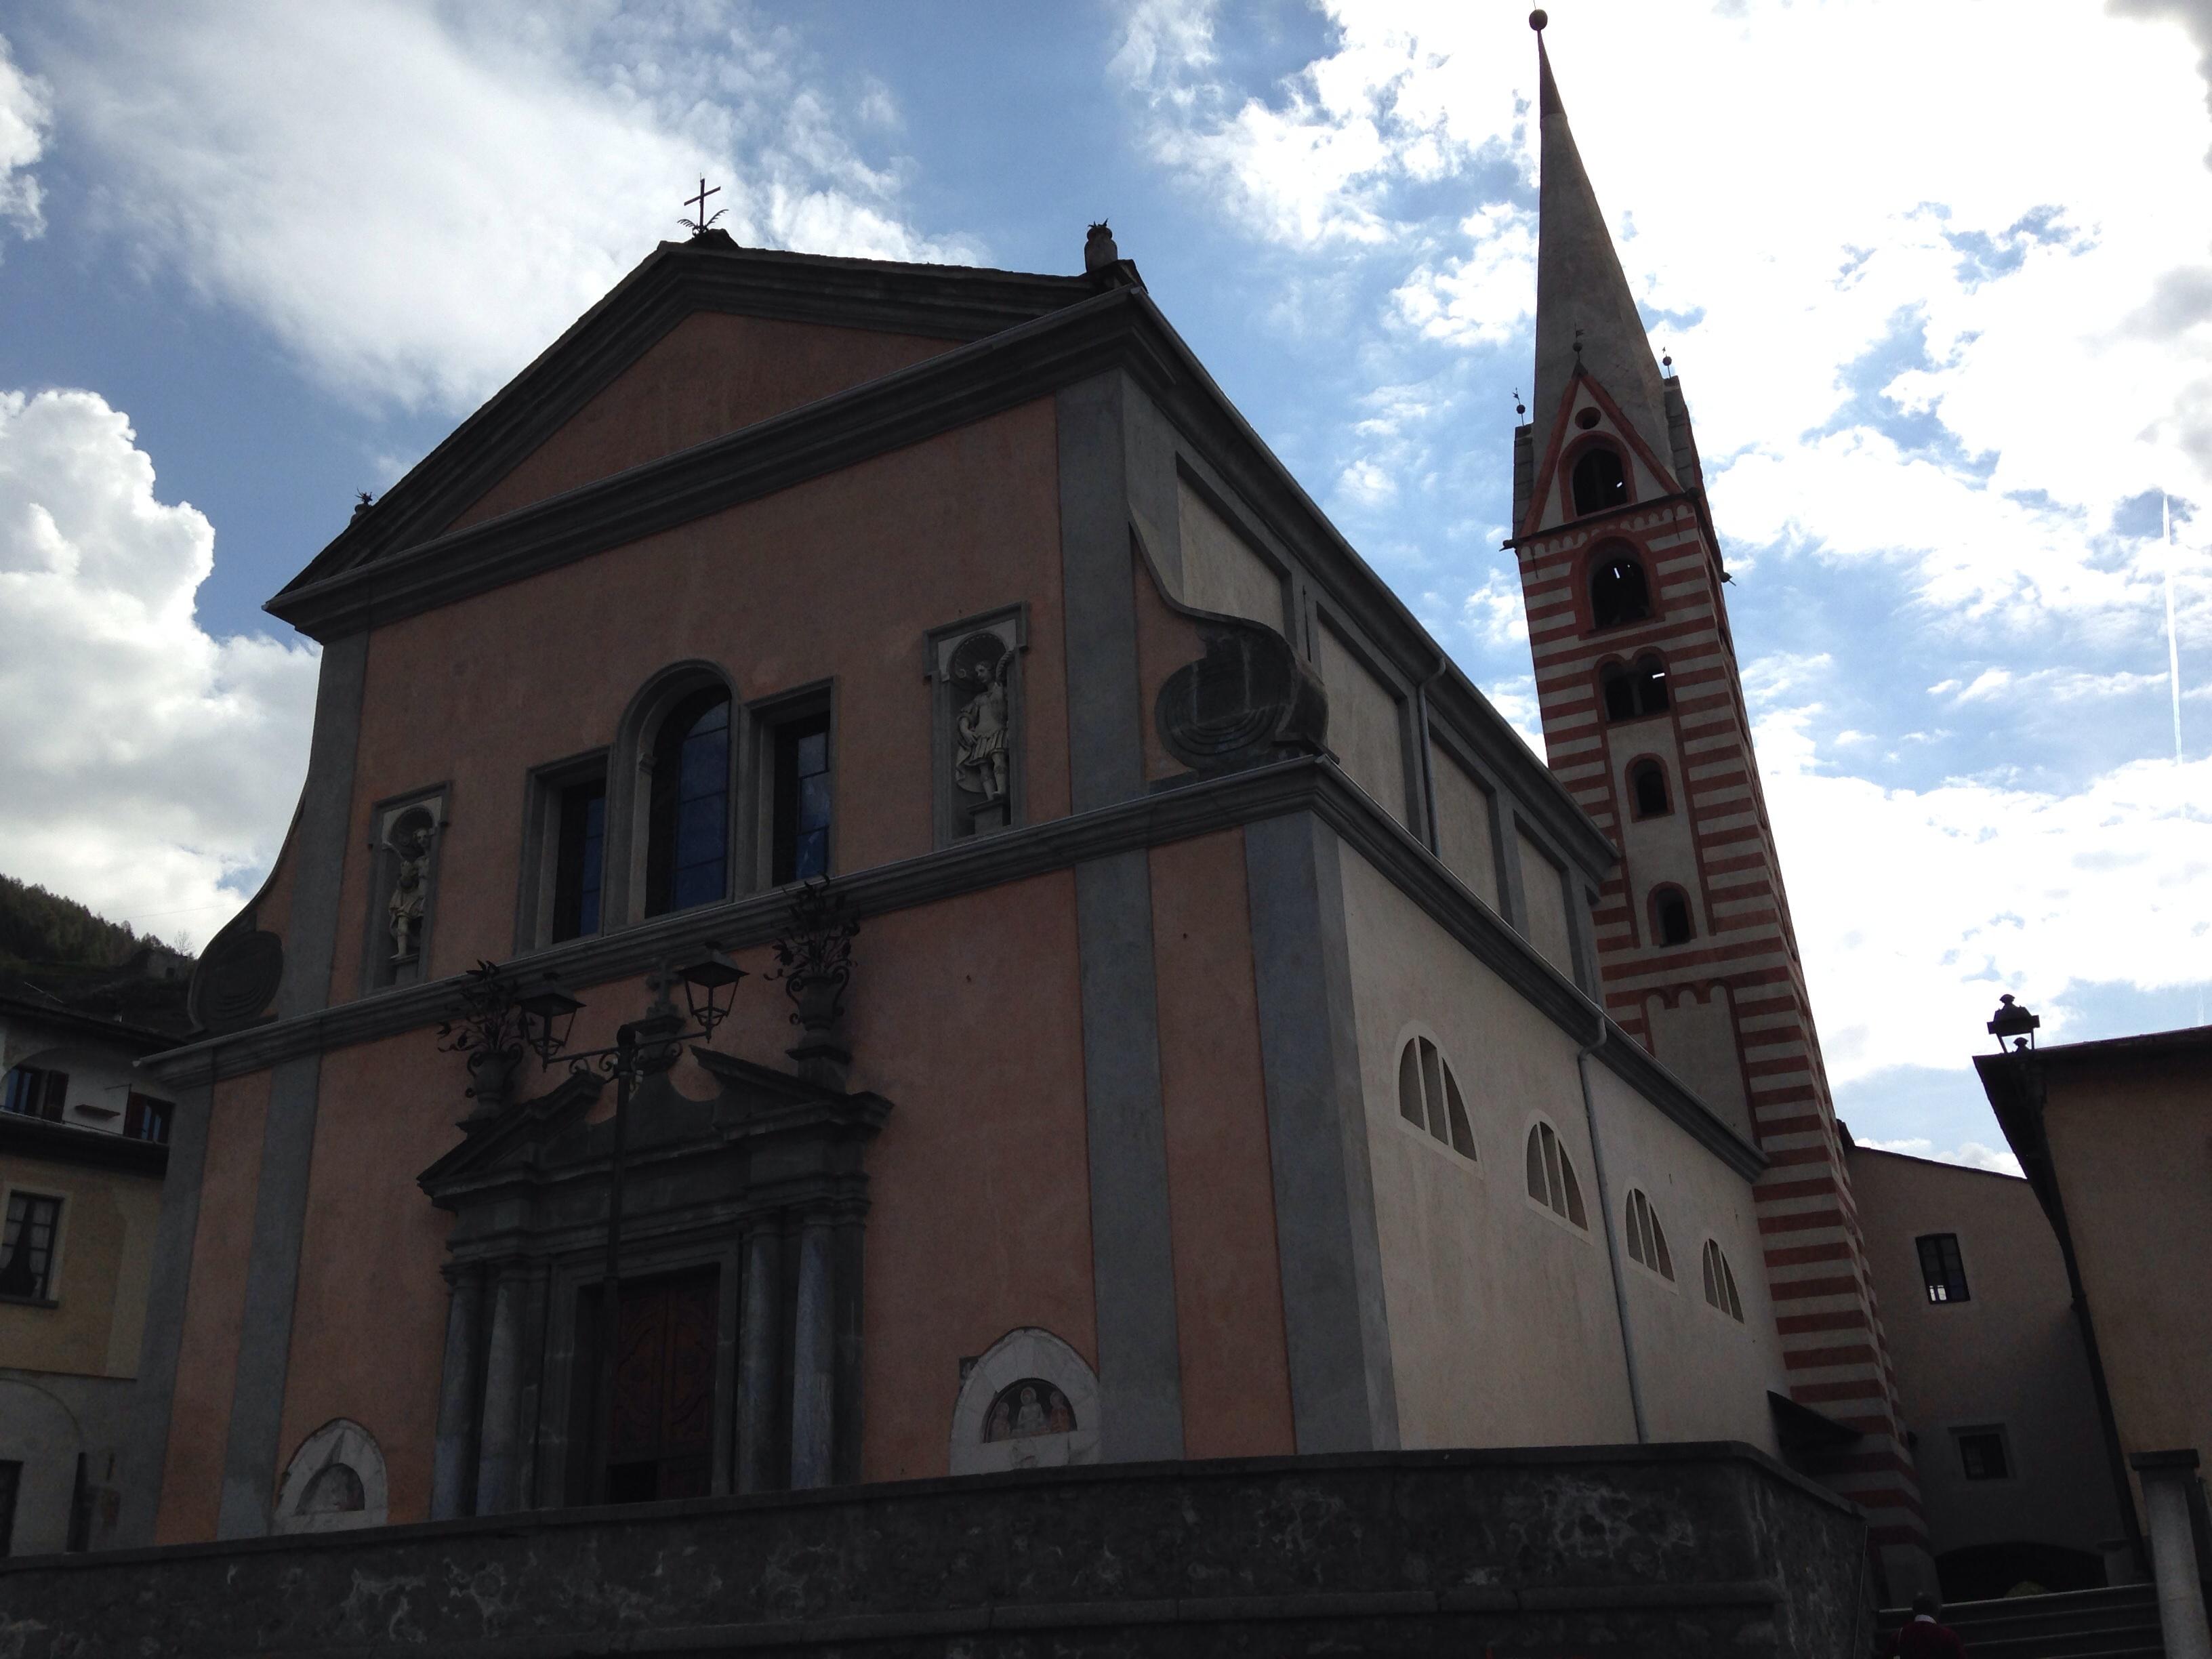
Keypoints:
pixel 1504 1327
pixel 1704 1375
pixel 1364 726
pixel 1695 1038
pixel 1220 569
pixel 1464 840
pixel 1544 887
pixel 1503 1330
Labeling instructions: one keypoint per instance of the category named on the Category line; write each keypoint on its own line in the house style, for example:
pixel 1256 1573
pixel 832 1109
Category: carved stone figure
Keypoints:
pixel 411 845
pixel 980 735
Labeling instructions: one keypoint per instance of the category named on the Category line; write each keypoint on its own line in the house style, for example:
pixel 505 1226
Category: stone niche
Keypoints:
pixel 334 1482
pixel 974 670
pixel 1030 1401
pixel 405 835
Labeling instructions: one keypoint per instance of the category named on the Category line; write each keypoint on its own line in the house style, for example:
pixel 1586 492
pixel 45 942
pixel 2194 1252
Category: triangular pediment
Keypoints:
pixel 704 339
pixel 512 1140
pixel 1587 415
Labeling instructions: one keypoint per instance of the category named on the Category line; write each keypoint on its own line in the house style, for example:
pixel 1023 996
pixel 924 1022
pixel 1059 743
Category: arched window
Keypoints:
pixel 1600 480
pixel 1552 1176
pixel 687 856
pixel 1428 1096
pixel 1618 592
pixel 1720 1283
pixel 1670 916
pixel 1647 1239
pixel 1629 691
pixel 1647 789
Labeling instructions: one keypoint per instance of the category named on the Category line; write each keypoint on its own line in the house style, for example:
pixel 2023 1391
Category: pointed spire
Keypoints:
pixel 1581 293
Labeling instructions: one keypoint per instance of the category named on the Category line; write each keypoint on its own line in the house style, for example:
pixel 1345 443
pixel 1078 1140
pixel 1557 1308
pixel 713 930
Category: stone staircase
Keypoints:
pixel 2120 1623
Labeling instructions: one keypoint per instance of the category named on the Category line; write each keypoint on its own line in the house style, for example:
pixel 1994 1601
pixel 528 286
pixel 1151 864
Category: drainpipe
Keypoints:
pixel 1612 1229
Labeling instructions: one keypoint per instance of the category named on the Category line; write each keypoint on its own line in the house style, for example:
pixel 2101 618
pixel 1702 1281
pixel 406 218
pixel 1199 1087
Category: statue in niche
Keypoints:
pixel 410 846
pixel 1026 1409
pixel 978 672
pixel 336 1490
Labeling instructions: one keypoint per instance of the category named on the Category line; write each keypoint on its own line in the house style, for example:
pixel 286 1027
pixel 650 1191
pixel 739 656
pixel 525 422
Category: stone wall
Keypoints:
pixel 1659 1552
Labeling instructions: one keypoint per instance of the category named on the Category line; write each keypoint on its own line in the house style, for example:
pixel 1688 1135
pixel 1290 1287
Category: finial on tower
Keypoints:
pixel 1519 408
pixel 1667 362
pixel 1537 19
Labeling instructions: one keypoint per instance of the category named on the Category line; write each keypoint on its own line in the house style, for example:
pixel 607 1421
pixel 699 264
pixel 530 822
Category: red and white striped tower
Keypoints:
pixel 1644 722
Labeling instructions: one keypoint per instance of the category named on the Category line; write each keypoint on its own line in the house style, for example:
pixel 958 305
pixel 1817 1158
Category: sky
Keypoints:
pixel 1936 276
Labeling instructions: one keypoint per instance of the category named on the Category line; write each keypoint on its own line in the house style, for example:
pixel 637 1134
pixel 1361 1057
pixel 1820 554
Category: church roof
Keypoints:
pixel 1580 291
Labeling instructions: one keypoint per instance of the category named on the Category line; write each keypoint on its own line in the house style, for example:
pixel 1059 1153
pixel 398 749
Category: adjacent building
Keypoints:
pixel 2116 1139
pixel 1992 1376
pixel 82 1150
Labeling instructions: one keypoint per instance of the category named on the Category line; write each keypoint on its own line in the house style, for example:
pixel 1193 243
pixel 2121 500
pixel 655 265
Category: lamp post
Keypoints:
pixel 2013 1021
pixel 494 1024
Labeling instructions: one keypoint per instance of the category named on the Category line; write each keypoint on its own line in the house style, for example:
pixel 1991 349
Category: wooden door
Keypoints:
pixel 662 1439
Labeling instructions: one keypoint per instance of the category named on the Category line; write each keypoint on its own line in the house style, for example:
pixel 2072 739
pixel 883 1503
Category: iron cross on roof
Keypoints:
pixel 698 203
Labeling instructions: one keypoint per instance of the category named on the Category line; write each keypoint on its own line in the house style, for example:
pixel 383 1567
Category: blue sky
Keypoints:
pixel 1941 295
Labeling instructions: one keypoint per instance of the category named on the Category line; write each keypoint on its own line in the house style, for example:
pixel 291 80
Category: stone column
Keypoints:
pixel 2168 1479
pixel 453 1459
pixel 496 1463
pixel 813 1357
pixel 759 1340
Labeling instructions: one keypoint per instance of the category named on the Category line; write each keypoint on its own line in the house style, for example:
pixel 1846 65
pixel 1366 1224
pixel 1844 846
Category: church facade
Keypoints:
pixel 1237 1057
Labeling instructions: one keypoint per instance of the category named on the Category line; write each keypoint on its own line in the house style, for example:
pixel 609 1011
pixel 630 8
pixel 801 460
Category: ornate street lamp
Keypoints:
pixel 2015 1021
pixel 548 1016
pixel 710 986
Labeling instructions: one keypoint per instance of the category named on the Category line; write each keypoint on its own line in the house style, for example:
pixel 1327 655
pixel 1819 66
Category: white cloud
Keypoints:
pixel 415 199
pixel 1973 1154
pixel 1516 699
pixel 1495 613
pixel 1482 297
pixel 25 111
pixel 151 768
pixel 1916 909
pixel 1945 308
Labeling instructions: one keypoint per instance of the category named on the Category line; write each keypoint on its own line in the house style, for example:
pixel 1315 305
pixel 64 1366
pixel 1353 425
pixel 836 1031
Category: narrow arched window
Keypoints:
pixel 1428 1096
pixel 1670 916
pixel 1649 680
pixel 1647 789
pixel 1618 689
pixel 1720 1283
pixel 1600 480
pixel 687 858
pixel 1647 1239
pixel 1618 592
pixel 1551 1181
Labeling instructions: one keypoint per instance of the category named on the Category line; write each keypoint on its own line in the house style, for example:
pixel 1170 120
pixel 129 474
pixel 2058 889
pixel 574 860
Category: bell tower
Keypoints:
pixel 1645 723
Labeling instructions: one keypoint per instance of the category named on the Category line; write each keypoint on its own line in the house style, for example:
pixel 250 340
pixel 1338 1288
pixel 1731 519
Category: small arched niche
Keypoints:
pixel 1030 1401
pixel 334 1482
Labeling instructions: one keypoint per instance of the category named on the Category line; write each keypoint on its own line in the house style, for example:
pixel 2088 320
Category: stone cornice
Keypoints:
pixel 1171 814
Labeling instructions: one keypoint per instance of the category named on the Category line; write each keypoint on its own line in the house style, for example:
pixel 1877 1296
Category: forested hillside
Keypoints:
pixel 44 929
